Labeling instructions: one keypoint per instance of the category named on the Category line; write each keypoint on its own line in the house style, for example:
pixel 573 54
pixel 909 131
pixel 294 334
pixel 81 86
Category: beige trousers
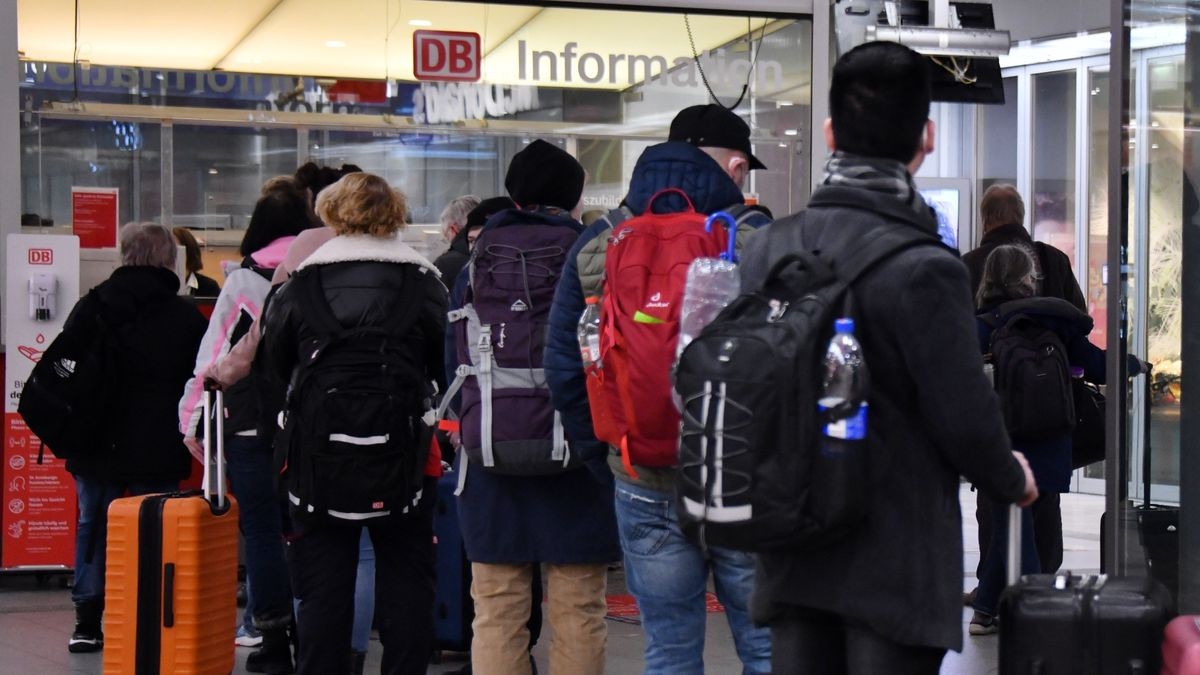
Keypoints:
pixel 575 596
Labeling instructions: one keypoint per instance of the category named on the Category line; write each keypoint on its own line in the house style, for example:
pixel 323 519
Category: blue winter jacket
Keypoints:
pixel 565 518
pixel 662 166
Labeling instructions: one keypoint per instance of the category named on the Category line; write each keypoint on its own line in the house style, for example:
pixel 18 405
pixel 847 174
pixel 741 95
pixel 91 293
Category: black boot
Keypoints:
pixel 87 636
pixel 275 655
pixel 358 661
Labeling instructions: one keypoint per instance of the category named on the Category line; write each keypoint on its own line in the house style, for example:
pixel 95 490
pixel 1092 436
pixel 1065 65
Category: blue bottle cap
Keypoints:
pixel 844 325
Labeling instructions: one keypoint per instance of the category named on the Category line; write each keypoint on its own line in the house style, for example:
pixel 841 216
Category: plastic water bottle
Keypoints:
pixel 841 467
pixel 589 333
pixel 845 381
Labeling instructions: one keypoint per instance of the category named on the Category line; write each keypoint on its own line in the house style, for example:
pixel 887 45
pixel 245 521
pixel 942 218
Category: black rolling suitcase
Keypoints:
pixel 453 608
pixel 1060 624
pixel 1157 525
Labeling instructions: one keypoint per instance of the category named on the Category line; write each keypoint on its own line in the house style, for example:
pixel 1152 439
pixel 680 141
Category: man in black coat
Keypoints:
pixel 886 596
pixel 1003 212
pixel 452 262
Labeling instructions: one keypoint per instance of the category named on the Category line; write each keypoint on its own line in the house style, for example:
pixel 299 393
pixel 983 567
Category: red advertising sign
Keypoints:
pixel 94 213
pixel 446 56
pixel 38 502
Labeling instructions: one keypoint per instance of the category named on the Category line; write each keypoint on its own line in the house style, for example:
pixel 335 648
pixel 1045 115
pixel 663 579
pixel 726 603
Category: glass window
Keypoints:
pixel 58 154
pixel 1097 243
pixel 219 171
pixel 1167 196
pixel 997 147
pixel 1052 205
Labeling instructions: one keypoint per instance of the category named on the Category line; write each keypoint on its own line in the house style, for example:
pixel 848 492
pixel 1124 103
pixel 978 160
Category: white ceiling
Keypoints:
pixel 366 39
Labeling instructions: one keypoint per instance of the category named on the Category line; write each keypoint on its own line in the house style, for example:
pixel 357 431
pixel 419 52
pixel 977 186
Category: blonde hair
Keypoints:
pixel 362 203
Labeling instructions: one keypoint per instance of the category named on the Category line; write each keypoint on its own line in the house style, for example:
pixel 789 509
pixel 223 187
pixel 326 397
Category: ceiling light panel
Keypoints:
pixel 148 33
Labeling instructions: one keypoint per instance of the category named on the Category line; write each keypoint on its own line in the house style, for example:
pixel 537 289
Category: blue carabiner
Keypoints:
pixel 730 254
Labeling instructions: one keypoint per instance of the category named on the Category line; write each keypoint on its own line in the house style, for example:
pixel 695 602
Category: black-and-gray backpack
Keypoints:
pixel 751 475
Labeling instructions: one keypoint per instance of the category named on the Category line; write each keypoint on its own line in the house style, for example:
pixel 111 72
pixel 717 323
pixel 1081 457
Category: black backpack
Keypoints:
pixel 751 475
pixel 66 400
pixel 355 437
pixel 1033 376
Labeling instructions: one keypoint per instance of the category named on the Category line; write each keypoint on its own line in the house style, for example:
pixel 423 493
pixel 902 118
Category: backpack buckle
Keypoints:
pixel 778 309
pixel 485 340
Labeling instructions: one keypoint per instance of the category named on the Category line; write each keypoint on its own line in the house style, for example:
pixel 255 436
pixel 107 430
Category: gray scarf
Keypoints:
pixel 875 174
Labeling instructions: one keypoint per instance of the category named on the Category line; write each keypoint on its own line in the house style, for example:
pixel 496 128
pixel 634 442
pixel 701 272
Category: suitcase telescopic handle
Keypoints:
pixel 1014 544
pixel 214 428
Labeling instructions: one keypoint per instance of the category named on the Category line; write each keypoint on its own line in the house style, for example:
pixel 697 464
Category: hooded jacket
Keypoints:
pixel 562 519
pixel 156 333
pixel 666 165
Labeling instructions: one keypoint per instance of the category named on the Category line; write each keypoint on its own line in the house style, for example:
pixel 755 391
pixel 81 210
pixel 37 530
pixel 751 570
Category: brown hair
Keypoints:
pixel 193 261
pixel 362 203
pixel 1001 205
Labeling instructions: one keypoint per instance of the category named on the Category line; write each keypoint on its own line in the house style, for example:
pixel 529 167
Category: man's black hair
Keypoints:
pixel 879 101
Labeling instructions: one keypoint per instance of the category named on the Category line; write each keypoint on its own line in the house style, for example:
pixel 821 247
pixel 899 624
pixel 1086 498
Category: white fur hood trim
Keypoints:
pixel 365 248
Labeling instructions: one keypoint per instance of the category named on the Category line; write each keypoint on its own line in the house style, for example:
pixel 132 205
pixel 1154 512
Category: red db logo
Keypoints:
pixel 41 256
pixel 446 56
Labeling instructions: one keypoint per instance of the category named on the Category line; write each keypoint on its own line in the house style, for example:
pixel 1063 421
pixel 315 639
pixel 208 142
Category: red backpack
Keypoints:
pixel 645 271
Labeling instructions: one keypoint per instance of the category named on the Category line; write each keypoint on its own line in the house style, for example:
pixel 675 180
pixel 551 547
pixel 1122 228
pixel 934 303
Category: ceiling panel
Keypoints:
pixel 368 39
pixel 137 32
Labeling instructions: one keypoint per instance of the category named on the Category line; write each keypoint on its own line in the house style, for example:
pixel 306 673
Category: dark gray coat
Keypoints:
pixel 933 416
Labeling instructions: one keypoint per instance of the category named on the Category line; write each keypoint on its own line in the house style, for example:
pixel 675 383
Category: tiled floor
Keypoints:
pixel 35 622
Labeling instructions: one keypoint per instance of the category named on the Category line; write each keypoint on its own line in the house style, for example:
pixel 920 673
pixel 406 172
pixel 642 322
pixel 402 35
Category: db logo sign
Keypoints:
pixel 41 256
pixel 446 56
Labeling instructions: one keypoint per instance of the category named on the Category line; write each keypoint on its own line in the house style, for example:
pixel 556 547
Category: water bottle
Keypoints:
pixel 589 333
pixel 845 375
pixel 840 468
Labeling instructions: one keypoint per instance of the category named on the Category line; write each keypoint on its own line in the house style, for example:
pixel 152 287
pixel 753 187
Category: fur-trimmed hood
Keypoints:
pixel 365 248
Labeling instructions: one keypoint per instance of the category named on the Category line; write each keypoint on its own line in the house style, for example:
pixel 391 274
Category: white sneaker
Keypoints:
pixel 247 637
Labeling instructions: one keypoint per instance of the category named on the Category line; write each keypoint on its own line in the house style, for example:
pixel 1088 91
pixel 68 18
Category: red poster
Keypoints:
pixel 39 502
pixel 94 216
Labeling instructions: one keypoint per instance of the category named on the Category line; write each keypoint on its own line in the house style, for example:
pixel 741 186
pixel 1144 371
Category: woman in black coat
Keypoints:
pixel 1007 291
pixel 153 335
pixel 369 284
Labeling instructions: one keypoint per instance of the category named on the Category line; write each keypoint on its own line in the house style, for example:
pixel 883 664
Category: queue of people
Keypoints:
pixel 339 345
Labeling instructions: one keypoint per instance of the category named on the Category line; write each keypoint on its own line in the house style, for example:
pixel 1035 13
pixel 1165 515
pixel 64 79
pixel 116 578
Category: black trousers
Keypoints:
pixel 323 560
pixel 813 642
pixel 1047 529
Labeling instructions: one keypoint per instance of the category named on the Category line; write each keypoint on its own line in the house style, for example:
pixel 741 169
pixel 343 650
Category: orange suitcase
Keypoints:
pixel 171 585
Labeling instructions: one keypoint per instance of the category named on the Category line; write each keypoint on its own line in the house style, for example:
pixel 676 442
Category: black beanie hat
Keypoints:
pixel 544 175
pixel 487 208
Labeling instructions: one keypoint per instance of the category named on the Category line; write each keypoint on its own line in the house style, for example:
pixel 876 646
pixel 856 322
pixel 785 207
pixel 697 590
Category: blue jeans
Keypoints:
pixel 92 533
pixel 995 572
pixel 364 594
pixel 667 575
pixel 252 482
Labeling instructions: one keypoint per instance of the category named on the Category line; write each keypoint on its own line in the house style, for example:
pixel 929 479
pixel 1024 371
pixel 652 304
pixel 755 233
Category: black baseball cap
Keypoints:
pixel 712 126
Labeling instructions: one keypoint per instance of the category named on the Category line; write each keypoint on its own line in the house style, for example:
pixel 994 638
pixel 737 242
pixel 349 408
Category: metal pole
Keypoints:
pixel 1116 469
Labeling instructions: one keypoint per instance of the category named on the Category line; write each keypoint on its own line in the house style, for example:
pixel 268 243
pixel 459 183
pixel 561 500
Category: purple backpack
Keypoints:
pixel 508 423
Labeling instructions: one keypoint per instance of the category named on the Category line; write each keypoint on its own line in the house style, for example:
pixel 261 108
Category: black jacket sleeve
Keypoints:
pixel 434 319
pixel 940 346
